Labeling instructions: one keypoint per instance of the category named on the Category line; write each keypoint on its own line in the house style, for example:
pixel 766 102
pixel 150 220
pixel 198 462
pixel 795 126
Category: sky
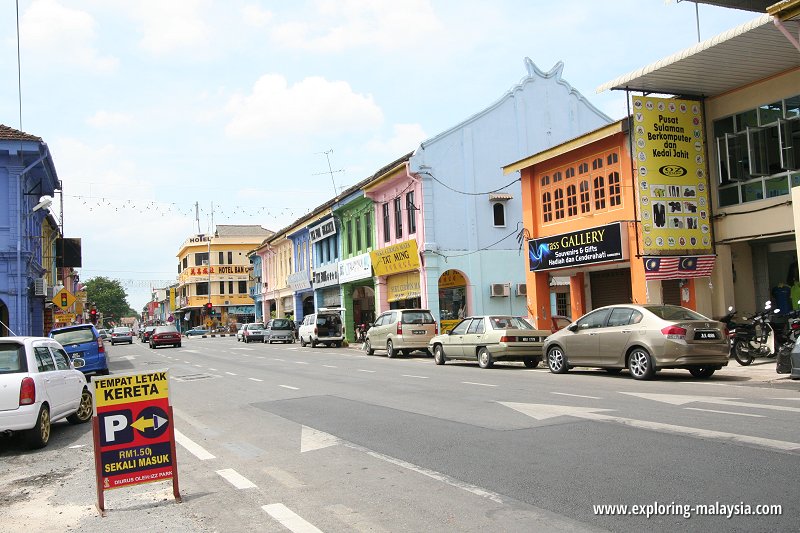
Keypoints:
pixel 263 109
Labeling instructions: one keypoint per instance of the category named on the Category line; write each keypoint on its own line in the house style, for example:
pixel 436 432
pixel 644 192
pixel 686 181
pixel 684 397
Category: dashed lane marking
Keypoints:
pixel 330 366
pixel 362 370
pixel 255 379
pixel 289 519
pixel 413 376
pixel 289 387
pixel 481 384
pixel 300 363
pixel 236 479
pixel 577 395
pixel 723 412
pixel 192 447
pixel 230 373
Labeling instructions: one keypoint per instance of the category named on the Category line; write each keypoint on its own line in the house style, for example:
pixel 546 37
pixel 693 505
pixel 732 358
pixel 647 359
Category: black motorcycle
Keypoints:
pixel 791 334
pixel 756 337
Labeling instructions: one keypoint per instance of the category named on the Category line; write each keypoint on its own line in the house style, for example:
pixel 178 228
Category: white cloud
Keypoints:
pixel 405 138
pixel 311 106
pixel 253 15
pixel 64 35
pixel 173 26
pixel 109 119
pixel 342 24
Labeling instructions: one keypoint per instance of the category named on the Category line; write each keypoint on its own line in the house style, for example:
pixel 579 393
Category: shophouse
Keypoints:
pixel 215 268
pixel 300 278
pixel 324 247
pixel 751 108
pixel 468 214
pixel 276 255
pixel 27 173
pixel 256 284
pixel 50 235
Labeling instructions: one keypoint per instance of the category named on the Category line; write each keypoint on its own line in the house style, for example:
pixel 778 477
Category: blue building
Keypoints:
pixel 27 173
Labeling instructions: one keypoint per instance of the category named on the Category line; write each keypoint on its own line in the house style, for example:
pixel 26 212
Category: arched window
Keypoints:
pixel 570 172
pixel 597 163
pixel 572 201
pixel 559 201
pixel 545 181
pixel 614 193
pixel 556 177
pixel 612 158
pixel 547 208
pixel 583 168
pixel 585 199
pixel 499 212
pixel 599 193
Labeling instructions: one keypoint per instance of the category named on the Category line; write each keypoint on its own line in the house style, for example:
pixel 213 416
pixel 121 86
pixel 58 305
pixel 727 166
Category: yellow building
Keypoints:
pixel 215 268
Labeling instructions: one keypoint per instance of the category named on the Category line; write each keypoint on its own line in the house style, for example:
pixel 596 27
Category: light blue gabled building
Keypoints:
pixel 471 252
pixel 27 173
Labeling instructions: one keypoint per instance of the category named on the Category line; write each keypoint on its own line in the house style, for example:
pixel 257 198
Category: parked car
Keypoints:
pixel 165 336
pixel 104 334
pixel 253 332
pixel 490 338
pixel 279 329
pixel 240 333
pixel 197 330
pixel 40 384
pixel 401 331
pixel 121 334
pixel 559 322
pixel 643 339
pixel 146 332
pixel 322 327
pixel 82 340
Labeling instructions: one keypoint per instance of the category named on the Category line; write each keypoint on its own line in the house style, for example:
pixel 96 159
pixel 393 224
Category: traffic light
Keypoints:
pixel 93 316
pixel 64 300
pixel 209 309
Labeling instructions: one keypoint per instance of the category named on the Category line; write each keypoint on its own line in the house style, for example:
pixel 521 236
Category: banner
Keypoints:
pixel 672 176
pixel 400 257
pixel 593 245
pixel 678 267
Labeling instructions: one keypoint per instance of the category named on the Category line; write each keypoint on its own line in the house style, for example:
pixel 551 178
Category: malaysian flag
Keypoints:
pixel 678 267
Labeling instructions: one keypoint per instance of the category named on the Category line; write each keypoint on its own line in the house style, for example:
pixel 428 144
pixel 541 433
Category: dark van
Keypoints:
pixel 83 340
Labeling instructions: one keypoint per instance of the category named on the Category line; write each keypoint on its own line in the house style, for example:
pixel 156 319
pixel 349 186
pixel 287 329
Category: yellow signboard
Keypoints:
pixel 452 278
pixel 672 176
pixel 403 287
pixel 64 318
pixel 400 257
pixel 117 390
pixel 83 296
pixel 63 299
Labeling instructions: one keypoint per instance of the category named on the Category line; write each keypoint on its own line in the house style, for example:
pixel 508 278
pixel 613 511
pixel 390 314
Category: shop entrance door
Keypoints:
pixel 611 287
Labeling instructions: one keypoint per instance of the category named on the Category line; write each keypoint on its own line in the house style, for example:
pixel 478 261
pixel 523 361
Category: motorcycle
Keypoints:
pixel 792 333
pixel 756 337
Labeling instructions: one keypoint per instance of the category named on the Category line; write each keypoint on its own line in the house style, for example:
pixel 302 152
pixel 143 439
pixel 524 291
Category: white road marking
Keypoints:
pixel 312 439
pixel 481 384
pixel 236 479
pixel 330 366
pixel 677 399
pixel 544 411
pixel 284 477
pixel 76 446
pixel 276 359
pixel 188 362
pixel 576 395
pixel 192 447
pixel 722 412
pixel 795 399
pixel 289 387
pixel 198 366
pixel 190 351
pixel 260 357
pixel 214 369
pixel 230 373
pixel 289 519
pixel 362 370
pixel 412 376
pixel 300 363
pixel 243 348
pixel 255 379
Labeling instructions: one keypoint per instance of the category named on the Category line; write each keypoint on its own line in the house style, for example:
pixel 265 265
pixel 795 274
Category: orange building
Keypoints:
pixel 581 213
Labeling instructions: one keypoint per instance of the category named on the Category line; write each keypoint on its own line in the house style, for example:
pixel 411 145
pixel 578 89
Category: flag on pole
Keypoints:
pixel 678 267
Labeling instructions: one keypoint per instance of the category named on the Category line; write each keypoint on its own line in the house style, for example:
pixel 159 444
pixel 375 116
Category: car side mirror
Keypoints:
pixel 78 362
pixel 573 327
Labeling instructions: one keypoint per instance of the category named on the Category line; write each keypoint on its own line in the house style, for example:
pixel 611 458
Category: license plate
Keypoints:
pixel 705 335
pixel 418 332
pixel 528 339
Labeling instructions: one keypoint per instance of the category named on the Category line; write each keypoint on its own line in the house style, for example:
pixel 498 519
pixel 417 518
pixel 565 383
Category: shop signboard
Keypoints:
pixel 403 287
pixel 322 230
pixel 134 438
pixel 672 176
pixel 400 257
pixel 600 244
pixel 326 275
pixel 355 268
pixel 299 281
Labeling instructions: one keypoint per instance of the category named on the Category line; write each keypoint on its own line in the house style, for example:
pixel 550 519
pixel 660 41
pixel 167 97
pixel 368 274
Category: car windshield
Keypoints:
pixel 674 312
pixel 251 327
pixel 121 330
pixel 12 358
pixel 74 336
pixel 281 323
pixel 150 328
pixel 166 329
pixel 417 317
pixel 509 322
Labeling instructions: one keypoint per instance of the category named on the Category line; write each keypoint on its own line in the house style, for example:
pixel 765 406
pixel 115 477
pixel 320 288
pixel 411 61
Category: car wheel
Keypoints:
pixel 531 363
pixel 178 345
pixel 103 372
pixel 390 353
pixel 368 347
pixel 84 412
pixel 640 364
pixel 438 355
pixel 337 344
pixel 313 342
pixel 428 352
pixel 406 352
pixel 557 360
pixel 702 372
pixel 39 435
pixel 613 371
pixel 302 342
pixel 485 358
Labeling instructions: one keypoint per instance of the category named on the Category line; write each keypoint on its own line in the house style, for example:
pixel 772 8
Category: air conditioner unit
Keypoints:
pixel 39 287
pixel 522 289
pixel 498 289
pixel 205 262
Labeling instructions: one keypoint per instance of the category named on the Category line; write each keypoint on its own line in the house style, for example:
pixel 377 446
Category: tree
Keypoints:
pixel 108 296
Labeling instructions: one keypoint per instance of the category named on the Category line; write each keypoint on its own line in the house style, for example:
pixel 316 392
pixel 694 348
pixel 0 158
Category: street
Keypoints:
pixel 277 437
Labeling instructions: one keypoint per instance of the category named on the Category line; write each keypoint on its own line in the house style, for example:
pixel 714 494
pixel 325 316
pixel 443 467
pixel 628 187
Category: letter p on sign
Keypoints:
pixel 115 427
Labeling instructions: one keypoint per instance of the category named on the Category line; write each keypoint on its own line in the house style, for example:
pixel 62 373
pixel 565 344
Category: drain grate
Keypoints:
pixel 193 377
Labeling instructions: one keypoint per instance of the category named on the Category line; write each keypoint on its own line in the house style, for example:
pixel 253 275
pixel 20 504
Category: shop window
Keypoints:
pixel 222 287
pixel 202 288
pixel 752 191
pixel 386 226
pixel 230 258
pixel 200 259
pixel 411 209
pixel 597 163
pixel 358 235
pixel 776 186
pixel 545 181
pixel 556 177
pixel 398 218
pixel 614 192
pixel 792 107
pixel 368 229
pixel 559 203
pixel 569 173
pixel 583 168
pixel 612 159
pixel 769 113
pixel 349 237
pixel 585 197
pixel 599 193
pixel 499 214
pixel 222 258
pixel 230 287
pixel 562 304
pixel 572 201
pixel 242 287
pixel 728 195
pixel 547 207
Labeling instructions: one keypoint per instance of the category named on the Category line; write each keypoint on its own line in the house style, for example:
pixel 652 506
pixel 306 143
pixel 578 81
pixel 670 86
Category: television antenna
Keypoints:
pixel 330 170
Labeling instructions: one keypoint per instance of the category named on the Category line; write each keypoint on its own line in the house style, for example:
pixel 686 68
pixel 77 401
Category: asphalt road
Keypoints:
pixel 277 437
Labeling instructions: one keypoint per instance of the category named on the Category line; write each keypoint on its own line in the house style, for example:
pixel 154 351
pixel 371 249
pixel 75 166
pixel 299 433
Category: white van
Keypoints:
pixel 323 327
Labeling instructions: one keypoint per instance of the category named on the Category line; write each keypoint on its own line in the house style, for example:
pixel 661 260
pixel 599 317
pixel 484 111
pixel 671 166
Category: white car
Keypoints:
pixel 39 384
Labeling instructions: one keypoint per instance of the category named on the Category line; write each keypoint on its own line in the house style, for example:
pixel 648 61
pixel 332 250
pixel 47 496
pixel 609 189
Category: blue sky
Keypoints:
pixel 149 106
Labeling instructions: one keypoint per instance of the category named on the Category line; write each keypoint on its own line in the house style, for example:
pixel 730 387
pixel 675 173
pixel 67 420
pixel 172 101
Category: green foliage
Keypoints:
pixel 109 297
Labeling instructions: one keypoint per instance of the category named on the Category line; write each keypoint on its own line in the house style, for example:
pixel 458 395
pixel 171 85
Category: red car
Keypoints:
pixel 164 335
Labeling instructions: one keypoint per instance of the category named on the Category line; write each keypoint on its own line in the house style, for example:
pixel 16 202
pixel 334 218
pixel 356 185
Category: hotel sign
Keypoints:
pixel 323 230
pixel 585 247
